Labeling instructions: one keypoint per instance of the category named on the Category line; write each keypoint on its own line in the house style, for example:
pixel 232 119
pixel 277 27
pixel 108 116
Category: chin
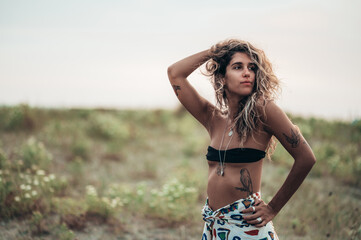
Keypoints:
pixel 245 94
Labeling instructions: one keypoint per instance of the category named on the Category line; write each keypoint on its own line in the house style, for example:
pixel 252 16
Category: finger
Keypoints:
pixel 255 222
pixel 252 217
pixel 249 217
pixel 263 223
pixel 249 210
pixel 257 202
pixel 259 221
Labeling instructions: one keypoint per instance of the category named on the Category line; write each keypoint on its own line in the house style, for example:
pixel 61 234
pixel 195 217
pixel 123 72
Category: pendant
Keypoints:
pixel 230 132
pixel 220 171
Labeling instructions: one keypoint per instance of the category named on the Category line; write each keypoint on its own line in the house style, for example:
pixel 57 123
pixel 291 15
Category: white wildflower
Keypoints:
pixel 17 199
pixel 119 202
pixel 140 192
pixel 52 176
pixel 40 172
pixel 34 167
pixel 46 179
pixel 34 193
pixel 27 195
pixel 106 200
pixel 114 203
pixel 91 191
pixel 36 182
pixel 31 140
pixel 22 187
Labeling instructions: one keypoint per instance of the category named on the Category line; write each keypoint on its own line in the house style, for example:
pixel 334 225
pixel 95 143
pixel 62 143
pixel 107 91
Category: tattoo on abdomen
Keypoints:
pixel 246 182
pixel 294 139
pixel 176 88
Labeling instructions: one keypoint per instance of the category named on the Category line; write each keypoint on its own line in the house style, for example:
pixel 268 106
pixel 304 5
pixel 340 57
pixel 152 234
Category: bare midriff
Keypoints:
pixel 223 190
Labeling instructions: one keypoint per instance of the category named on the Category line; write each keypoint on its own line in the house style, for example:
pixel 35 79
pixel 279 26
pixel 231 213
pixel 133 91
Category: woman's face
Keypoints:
pixel 240 75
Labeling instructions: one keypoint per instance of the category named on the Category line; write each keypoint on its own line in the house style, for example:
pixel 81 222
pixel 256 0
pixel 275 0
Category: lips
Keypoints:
pixel 246 82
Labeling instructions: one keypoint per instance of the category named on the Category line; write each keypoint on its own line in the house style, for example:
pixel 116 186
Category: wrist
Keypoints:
pixel 207 54
pixel 273 208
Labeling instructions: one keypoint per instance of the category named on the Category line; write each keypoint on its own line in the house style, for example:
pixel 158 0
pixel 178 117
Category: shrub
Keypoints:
pixel 107 127
pixel 20 117
pixel 81 147
pixel 3 158
pixel 34 153
pixel 103 207
pixel 37 223
pixel 64 233
pixel 23 192
pixel 72 211
pixel 173 201
pixel 76 168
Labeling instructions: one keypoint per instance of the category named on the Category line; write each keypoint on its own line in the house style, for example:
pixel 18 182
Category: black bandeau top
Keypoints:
pixel 236 155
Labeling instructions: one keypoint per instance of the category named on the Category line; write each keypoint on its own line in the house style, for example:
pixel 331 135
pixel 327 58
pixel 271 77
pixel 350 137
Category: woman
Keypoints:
pixel 241 128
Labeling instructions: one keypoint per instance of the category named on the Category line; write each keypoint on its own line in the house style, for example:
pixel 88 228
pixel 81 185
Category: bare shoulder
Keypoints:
pixel 216 117
pixel 263 107
pixel 273 116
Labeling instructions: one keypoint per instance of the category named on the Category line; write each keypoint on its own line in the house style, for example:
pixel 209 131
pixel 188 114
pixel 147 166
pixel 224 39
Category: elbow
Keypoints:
pixel 310 161
pixel 175 74
pixel 171 73
pixel 306 162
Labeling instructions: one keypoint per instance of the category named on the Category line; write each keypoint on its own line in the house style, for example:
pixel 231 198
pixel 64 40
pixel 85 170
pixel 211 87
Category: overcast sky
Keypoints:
pixel 111 53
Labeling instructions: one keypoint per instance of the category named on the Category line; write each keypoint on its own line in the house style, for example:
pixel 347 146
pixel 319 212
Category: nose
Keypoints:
pixel 246 72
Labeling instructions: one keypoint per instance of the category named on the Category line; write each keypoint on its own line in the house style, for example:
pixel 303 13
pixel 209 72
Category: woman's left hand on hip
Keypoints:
pixel 262 214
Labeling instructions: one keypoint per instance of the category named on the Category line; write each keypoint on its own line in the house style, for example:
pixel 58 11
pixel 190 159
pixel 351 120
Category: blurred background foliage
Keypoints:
pixel 142 174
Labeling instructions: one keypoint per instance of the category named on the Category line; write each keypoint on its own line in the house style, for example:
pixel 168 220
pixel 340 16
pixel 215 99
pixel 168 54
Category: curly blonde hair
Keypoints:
pixel 266 87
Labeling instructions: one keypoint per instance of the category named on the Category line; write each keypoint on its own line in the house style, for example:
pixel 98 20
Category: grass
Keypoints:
pixel 107 174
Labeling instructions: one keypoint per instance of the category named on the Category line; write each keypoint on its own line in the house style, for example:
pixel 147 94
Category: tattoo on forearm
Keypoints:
pixel 176 88
pixel 246 182
pixel 294 139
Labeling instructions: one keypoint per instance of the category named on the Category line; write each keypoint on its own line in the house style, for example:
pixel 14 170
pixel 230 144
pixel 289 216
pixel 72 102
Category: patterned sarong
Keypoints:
pixel 227 223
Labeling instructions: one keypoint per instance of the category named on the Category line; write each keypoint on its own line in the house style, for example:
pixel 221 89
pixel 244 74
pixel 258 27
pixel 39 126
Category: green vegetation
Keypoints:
pixel 76 173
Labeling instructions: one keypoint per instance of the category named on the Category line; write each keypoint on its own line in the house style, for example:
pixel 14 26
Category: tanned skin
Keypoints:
pixel 293 139
pixel 246 182
pixel 242 179
pixel 176 88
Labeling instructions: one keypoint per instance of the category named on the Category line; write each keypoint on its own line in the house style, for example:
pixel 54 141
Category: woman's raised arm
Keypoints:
pixel 178 72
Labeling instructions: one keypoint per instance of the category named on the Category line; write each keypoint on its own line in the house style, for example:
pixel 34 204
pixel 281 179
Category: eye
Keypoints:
pixel 252 68
pixel 237 67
